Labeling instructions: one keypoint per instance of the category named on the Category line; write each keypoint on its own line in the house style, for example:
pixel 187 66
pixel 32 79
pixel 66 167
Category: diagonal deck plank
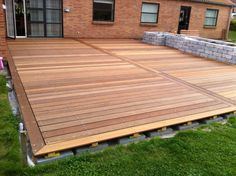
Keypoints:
pixel 81 92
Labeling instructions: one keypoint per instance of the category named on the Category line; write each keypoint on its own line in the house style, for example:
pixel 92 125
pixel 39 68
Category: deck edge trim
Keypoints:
pixel 128 131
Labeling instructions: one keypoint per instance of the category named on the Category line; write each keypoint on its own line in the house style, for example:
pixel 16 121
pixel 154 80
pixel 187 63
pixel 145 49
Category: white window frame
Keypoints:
pixel 157 13
pixel 215 18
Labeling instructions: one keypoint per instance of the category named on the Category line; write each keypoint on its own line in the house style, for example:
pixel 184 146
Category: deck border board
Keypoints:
pixel 33 131
pixel 124 132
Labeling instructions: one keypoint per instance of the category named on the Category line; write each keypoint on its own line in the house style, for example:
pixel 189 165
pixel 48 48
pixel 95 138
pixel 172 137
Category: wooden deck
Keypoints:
pixel 82 92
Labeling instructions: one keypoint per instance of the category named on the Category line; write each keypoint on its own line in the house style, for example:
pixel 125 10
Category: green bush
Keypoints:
pixel 233 25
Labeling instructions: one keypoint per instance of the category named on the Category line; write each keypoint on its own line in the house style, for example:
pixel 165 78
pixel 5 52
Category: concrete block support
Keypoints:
pixel 187 126
pixel 62 155
pixel 131 139
pixel 168 131
pixel 230 115
pixel 208 48
pixel 13 102
pixel 96 148
pixel 208 121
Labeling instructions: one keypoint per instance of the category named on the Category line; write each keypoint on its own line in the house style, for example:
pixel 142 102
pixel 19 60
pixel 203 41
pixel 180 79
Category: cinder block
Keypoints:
pixel 126 140
pixel 62 155
pixel 185 126
pixel 229 115
pixel 13 102
pixel 99 147
pixel 160 133
pixel 213 49
pixel 208 121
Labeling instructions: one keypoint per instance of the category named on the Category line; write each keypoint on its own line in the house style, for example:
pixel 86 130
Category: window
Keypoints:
pixel 149 12
pixel 103 10
pixel 44 18
pixel 211 17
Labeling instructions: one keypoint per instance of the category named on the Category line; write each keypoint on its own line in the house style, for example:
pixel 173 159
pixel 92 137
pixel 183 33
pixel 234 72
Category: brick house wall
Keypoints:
pixel 234 9
pixel 3 50
pixel 127 19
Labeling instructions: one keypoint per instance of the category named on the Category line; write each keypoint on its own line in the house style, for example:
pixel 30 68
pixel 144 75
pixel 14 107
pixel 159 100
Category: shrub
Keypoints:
pixel 233 25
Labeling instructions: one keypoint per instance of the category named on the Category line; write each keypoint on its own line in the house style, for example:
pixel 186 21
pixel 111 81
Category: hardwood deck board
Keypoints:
pixel 118 126
pixel 110 95
pixel 92 90
pixel 96 102
pixel 185 70
pixel 129 108
pixel 74 118
pixel 100 89
pixel 64 60
pixel 84 104
pixel 90 80
pixel 106 111
pixel 99 84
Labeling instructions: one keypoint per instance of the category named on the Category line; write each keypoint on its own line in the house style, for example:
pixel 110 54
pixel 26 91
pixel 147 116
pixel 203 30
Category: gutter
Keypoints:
pixel 214 3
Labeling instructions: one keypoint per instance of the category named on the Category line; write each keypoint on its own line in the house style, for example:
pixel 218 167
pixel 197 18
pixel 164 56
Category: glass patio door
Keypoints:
pixel 10 18
pixel 44 18
pixel 53 18
pixel 35 18
pixel 20 18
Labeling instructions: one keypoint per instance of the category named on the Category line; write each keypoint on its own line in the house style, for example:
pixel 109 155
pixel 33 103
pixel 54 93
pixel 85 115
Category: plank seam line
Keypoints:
pixel 165 75
pixel 222 98
pixel 117 56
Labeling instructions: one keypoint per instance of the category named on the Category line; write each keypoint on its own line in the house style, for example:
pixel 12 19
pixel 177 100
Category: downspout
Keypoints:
pixel 228 26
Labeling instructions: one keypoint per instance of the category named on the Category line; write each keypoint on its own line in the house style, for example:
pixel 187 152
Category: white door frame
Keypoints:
pixel 13 18
pixel 24 5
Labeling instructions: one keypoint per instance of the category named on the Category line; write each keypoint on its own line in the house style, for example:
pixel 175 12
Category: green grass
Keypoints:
pixel 232 36
pixel 10 161
pixel 210 150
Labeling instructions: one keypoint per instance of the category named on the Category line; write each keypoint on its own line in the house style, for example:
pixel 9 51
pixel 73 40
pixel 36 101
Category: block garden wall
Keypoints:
pixel 208 48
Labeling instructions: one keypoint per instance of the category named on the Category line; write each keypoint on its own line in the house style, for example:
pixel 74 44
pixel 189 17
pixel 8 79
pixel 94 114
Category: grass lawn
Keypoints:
pixel 10 161
pixel 232 36
pixel 209 150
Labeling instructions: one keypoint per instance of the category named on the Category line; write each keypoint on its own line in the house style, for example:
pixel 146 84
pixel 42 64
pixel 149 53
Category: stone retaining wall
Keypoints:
pixel 208 48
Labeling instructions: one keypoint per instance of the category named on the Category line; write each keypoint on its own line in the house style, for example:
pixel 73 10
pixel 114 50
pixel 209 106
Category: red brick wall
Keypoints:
pixel 127 19
pixel 2 32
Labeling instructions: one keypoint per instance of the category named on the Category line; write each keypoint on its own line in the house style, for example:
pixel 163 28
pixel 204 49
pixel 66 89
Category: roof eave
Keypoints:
pixel 214 3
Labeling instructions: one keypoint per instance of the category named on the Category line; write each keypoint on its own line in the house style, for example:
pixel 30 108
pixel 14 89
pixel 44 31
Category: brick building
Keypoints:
pixel 234 8
pixel 111 18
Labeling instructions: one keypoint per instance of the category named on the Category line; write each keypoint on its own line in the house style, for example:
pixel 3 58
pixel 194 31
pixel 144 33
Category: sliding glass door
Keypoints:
pixel 44 18
pixel 10 18
pixel 35 18
pixel 53 18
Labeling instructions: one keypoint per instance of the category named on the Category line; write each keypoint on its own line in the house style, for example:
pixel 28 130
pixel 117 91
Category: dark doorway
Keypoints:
pixel 184 18
pixel 15 18
pixel 20 18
